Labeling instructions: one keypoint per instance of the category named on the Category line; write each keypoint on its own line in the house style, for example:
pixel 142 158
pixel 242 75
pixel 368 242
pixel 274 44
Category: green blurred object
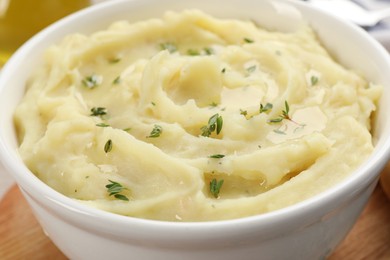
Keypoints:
pixel 21 19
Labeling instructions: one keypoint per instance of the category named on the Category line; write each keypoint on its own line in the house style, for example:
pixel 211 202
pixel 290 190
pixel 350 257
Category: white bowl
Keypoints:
pixel 307 230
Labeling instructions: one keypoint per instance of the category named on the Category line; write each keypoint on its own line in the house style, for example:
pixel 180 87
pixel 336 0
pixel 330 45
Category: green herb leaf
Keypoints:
pixel 102 125
pixel 313 80
pixel 223 70
pixel 276 120
pixel 278 131
pixel 156 132
pixel 213 104
pixel 193 52
pixel 284 115
pixel 168 46
pixel 214 124
pixel 251 69
pixel 243 112
pixel 266 108
pixel 114 189
pixel 286 110
pixel 219 124
pixel 114 60
pixel 98 111
pixel 108 146
pixel 92 81
pixel 248 40
pixel 217 156
pixel 121 197
pixel 215 187
pixel 117 80
pixel 208 51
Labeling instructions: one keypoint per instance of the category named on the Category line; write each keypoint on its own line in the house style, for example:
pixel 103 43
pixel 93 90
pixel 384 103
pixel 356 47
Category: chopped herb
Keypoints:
pixel 108 146
pixel 168 46
pixel 217 156
pixel 92 81
pixel 153 103
pixel 193 52
pixel 117 80
pixel 251 69
pixel 204 51
pixel 215 187
pixel 208 51
pixel 213 104
pixel 266 108
pixel 127 129
pixel 283 116
pixel 223 70
pixel 115 188
pixel 313 80
pixel 243 112
pixel 156 132
pixel 98 111
pixel 102 125
pixel 121 197
pixel 278 131
pixel 248 40
pixel 214 124
pixel 114 60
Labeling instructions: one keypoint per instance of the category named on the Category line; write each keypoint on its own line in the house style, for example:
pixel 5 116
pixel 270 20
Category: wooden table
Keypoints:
pixel 22 238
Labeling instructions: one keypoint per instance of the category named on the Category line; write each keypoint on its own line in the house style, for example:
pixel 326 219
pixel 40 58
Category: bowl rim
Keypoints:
pixel 71 208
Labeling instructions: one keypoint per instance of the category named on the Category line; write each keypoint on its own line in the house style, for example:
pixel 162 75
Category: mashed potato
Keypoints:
pixel 194 118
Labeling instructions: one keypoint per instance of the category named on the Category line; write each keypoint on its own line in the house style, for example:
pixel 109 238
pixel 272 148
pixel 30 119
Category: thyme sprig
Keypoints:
pixel 169 46
pixel 214 125
pixel 215 187
pixel 156 132
pixel 92 81
pixel 284 116
pixel 115 189
pixel 266 108
pixel 98 111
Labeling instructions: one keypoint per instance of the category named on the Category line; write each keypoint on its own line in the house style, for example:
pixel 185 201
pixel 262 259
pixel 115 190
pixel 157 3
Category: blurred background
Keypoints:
pixel 21 19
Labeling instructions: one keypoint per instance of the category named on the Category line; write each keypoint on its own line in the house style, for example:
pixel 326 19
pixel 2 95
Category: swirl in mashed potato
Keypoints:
pixel 194 118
